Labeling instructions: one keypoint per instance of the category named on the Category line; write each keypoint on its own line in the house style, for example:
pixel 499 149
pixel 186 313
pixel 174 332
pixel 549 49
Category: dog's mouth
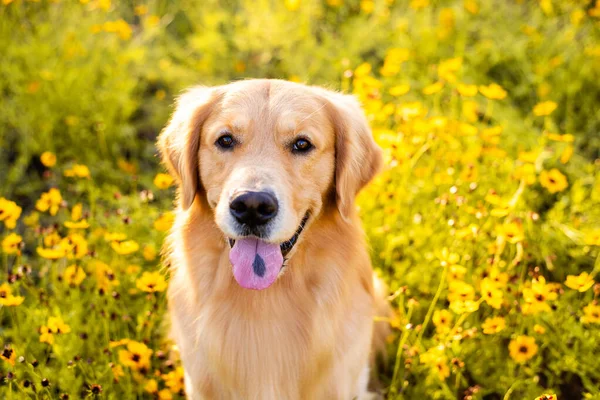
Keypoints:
pixel 257 263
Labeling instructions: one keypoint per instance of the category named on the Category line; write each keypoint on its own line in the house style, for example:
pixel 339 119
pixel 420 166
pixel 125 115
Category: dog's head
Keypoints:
pixel 265 157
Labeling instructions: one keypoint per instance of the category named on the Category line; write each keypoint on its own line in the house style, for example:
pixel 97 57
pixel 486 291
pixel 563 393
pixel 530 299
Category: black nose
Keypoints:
pixel 254 208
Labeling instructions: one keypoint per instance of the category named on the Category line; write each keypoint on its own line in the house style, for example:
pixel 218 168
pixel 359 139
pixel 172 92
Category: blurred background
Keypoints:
pixel 485 222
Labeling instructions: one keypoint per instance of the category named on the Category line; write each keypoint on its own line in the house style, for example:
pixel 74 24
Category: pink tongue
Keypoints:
pixel 256 264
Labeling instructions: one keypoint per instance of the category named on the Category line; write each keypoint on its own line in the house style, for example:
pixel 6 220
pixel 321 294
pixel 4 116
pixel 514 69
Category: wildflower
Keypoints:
pixel 114 237
pixel 512 232
pixel 547 397
pixel 464 307
pixel 442 319
pixel 174 380
pixel 461 291
pixel 522 349
pixel 471 6
pixel 456 272
pixel 553 180
pixel 592 238
pixel 105 277
pixel 151 386
pixel 165 394
pixel 367 6
pixel 393 60
pixel 8 355
pixel 141 9
pixel 117 371
pixel 163 181
pixel 75 222
pixel 566 154
pixel 11 244
pixel 48 159
pixel 78 170
pixel 164 222
pixel 537 295
pixel 75 245
pixel 125 247
pixel 49 201
pixel 540 330
pixel 467 90
pixel 151 282
pixel 74 275
pixel 149 252
pixel 544 108
pixel 54 326
pixel 136 357
pixel 419 4
pixel 493 91
pixel 591 314
pixel 433 88
pixel 9 213
pixel 448 258
pixel 7 299
pixel 399 90
pixel 118 343
pixel 581 282
pixel 493 325
pixel 491 294
pixel 448 68
pixel 436 360
pixel 566 138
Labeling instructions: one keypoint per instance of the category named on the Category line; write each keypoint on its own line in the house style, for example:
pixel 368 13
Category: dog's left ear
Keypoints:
pixel 179 142
pixel 357 157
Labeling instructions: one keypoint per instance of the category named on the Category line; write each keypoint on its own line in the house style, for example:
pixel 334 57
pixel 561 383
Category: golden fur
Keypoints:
pixel 309 335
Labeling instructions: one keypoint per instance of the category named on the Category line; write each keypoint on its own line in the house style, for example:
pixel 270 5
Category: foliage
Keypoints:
pixel 485 222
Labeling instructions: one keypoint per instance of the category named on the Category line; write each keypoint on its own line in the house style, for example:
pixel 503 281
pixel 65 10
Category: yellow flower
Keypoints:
pixel 461 291
pixel 118 343
pixel 493 91
pixel 83 224
pixel 151 386
pixel 399 90
pixel 48 159
pixel 464 307
pixel 125 247
pixel 592 238
pixel 418 4
pixel 522 349
pixel 448 258
pixel 78 170
pixel 554 181
pixel 74 275
pixel 117 372
pixel 442 319
pixel 540 330
pixel 512 232
pixel 151 282
pixel 8 355
pixel 105 277
pixel 114 236
pixel 537 295
pixel 581 282
pixel 49 201
pixel 75 245
pixel 557 137
pixel 52 254
pixel 436 360
pixel 292 5
pixel 141 9
pixel 136 357
pixel 46 335
pixel 491 294
pixel 544 108
pixel 164 222
pixel 547 397
pixel 367 6
pixel 149 252
pixel 57 325
pixel 165 394
pixel 471 6
pixel 467 90
pixel 433 88
pixel 174 380
pixel 591 314
pixel 9 213
pixel 7 299
pixel 163 181
pixel 493 325
pixel 11 244
pixel 362 70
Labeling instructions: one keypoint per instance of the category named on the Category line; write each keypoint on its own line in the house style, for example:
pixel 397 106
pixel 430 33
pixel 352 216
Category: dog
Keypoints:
pixel 271 293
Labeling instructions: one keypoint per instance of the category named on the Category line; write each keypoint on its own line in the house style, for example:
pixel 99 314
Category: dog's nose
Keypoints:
pixel 254 208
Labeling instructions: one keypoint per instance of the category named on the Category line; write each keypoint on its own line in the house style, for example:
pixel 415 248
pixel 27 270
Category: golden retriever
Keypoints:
pixel 271 292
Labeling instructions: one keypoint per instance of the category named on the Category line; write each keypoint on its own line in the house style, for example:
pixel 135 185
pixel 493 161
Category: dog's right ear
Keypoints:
pixel 179 142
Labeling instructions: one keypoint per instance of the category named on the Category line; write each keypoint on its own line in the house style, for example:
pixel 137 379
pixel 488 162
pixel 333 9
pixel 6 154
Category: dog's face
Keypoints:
pixel 266 157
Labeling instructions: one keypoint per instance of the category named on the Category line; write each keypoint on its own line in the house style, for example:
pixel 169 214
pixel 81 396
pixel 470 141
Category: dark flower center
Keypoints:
pixel 523 349
pixel 135 357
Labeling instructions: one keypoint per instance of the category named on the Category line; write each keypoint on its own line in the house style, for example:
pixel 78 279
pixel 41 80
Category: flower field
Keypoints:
pixel 485 222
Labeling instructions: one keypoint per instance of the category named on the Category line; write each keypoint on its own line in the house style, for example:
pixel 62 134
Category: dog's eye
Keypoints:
pixel 301 146
pixel 225 141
